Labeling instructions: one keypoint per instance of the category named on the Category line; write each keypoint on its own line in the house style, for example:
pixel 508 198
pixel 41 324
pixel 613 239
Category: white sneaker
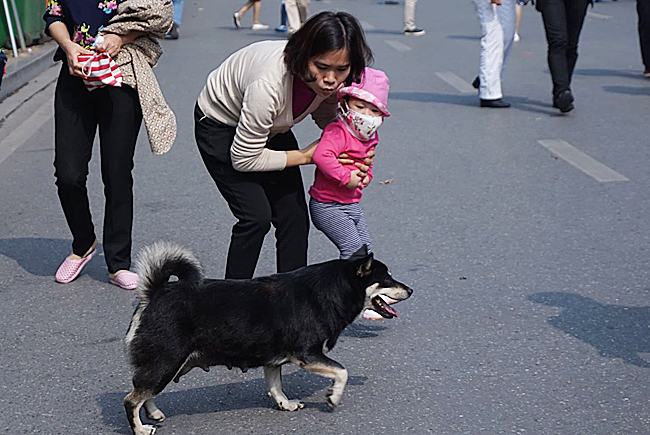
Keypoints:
pixel 235 18
pixel 517 38
pixel 260 26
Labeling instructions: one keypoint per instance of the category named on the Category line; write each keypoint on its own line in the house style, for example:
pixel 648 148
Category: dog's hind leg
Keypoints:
pixel 273 378
pixel 327 367
pixel 132 404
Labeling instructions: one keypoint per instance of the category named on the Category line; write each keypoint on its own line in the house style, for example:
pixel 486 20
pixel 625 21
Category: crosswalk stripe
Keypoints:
pixel 399 46
pixel 456 82
pixel 581 161
pixel 24 131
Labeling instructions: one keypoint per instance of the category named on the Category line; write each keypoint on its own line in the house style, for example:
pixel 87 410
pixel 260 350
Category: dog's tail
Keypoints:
pixel 158 262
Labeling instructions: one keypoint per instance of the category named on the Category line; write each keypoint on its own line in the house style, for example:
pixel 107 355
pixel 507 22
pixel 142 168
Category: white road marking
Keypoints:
pixel 596 15
pixel 456 82
pixel 366 25
pixel 399 46
pixel 24 131
pixel 582 161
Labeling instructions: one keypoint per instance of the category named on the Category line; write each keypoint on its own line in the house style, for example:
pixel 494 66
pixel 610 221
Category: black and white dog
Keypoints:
pixel 289 317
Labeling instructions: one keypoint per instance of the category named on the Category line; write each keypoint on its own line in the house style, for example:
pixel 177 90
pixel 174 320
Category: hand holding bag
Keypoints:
pixel 99 70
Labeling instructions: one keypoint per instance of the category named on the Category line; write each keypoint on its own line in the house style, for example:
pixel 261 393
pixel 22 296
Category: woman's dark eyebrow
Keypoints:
pixel 327 65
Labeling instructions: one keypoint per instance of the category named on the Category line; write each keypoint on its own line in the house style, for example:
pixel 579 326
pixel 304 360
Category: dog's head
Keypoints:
pixel 380 287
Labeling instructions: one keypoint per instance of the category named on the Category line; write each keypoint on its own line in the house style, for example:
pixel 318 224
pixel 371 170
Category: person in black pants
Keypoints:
pixel 243 119
pixel 563 21
pixel 643 10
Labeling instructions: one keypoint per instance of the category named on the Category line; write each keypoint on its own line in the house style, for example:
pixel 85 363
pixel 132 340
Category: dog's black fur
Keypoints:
pixel 268 321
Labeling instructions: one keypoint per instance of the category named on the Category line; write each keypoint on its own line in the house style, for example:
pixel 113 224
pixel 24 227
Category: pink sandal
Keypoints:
pixel 71 268
pixel 127 280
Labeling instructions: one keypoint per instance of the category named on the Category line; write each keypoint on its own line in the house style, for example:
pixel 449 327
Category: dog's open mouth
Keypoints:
pixel 381 307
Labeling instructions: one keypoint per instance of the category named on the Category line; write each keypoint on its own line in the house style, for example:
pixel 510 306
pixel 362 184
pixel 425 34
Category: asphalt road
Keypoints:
pixel 531 274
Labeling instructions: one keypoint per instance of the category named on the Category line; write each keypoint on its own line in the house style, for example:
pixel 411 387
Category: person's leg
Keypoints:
pixel 303 10
pixel 293 15
pixel 555 25
pixel 409 14
pixel 257 7
pixel 643 10
pixel 244 8
pixel 243 191
pixel 178 11
pixel 491 51
pixel 75 124
pixel 575 13
pixel 518 9
pixel 120 116
pixel 507 19
pixel 286 195
pixel 283 14
pixel 334 221
pixel 356 212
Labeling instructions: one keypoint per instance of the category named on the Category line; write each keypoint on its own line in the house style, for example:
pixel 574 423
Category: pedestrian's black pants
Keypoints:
pixel 257 199
pixel 563 21
pixel 643 9
pixel 77 114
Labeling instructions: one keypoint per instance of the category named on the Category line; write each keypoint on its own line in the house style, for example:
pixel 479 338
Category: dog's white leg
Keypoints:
pixel 152 411
pixel 132 403
pixel 273 378
pixel 329 368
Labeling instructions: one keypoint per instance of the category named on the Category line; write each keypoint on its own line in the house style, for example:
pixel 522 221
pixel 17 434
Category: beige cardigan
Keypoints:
pixel 252 90
pixel 136 59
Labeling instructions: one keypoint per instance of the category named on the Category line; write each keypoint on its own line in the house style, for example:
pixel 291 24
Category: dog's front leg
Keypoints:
pixel 324 366
pixel 273 378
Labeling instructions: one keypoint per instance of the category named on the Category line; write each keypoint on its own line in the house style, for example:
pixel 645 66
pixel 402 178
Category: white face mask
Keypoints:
pixel 363 127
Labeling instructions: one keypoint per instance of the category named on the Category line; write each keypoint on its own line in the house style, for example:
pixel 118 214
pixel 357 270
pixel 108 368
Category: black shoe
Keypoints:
pixel 476 83
pixel 496 104
pixel 173 33
pixel 564 101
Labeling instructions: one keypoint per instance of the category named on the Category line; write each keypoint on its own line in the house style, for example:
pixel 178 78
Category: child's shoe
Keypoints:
pixel 235 18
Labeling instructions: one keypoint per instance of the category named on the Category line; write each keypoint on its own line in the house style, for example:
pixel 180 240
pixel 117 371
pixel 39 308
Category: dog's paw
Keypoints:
pixel 330 403
pixel 145 429
pixel 333 399
pixel 291 405
pixel 156 416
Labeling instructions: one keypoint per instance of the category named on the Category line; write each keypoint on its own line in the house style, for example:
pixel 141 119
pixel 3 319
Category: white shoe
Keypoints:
pixel 235 18
pixel 516 38
pixel 260 26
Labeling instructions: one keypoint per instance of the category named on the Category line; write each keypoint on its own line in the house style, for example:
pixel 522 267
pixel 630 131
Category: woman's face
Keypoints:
pixel 329 71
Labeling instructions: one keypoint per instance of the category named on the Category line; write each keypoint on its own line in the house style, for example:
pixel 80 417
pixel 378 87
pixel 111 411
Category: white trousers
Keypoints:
pixel 409 14
pixel 498 28
pixel 297 12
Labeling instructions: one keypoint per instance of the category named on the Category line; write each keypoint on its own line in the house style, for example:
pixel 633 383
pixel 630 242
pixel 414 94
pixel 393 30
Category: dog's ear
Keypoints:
pixel 361 253
pixel 365 266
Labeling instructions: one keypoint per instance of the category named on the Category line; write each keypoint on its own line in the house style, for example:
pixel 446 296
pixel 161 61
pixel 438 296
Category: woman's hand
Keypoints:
pixel 356 180
pixel 345 159
pixel 304 156
pixel 112 44
pixel 72 52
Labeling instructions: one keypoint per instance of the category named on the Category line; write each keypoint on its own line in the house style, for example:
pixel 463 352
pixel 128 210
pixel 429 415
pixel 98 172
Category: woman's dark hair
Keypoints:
pixel 325 32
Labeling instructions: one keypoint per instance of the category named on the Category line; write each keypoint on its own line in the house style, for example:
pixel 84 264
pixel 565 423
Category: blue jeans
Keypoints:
pixel 178 11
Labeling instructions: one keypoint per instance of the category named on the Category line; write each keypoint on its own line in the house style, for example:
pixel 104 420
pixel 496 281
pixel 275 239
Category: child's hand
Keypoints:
pixel 355 180
pixel 366 180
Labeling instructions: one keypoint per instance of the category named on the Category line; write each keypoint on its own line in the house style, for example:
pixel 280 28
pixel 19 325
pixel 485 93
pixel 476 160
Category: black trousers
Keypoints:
pixel 257 199
pixel 643 9
pixel 77 114
pixel 563 21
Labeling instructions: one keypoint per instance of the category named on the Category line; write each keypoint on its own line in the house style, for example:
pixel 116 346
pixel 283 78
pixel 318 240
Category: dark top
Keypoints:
pixel 83 18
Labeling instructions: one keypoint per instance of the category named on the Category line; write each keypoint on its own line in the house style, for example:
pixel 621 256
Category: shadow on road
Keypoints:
pixel 362 330
pixel 469 37
pixel 226 397
pixel 522 103
pixel 615 331
pixel 42 256
pixel 627 90
pixel 610 72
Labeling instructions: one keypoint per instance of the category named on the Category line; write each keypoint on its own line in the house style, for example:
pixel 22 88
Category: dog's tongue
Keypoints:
pixel 390 310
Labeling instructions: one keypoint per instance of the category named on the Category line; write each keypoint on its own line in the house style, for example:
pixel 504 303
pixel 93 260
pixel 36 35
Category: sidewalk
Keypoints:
pixel 24 68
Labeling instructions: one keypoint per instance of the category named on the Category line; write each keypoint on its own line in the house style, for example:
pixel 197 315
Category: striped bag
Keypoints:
pixel 99 70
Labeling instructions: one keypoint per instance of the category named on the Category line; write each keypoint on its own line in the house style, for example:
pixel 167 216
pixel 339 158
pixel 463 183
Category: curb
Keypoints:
pixel 19 74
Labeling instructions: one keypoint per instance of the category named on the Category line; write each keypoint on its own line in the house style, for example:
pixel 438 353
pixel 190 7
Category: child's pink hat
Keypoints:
pixel 373 88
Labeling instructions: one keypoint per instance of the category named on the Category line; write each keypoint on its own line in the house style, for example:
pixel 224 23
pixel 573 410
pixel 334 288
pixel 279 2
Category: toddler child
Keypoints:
pixel 336 192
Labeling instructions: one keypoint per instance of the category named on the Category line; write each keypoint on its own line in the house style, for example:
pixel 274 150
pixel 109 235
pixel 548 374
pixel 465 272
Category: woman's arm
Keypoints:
pixel 304 156
pixel 113 43
pixel 59 32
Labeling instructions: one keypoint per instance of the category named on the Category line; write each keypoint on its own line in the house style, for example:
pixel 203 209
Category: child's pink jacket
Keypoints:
pixel 331 176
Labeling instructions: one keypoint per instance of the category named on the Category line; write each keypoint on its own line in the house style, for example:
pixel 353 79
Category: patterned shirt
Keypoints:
pixel 83 18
